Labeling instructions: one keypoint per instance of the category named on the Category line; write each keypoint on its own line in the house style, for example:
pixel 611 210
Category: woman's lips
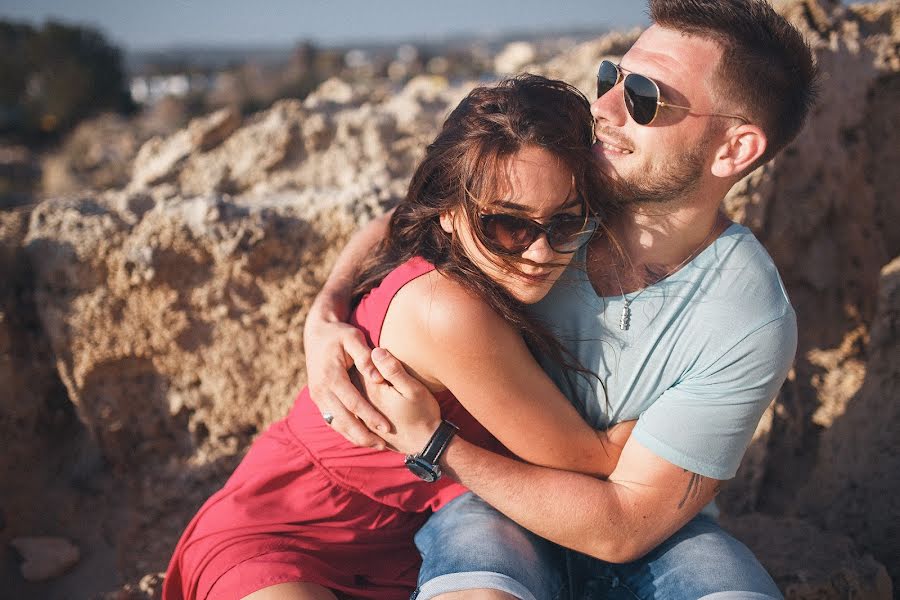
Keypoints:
pixel 540 276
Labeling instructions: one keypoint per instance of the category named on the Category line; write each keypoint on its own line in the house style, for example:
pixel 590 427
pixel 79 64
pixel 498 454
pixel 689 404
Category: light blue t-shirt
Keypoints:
pixel 706 352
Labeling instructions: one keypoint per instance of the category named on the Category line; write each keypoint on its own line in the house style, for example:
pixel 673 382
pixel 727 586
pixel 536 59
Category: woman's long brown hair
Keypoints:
pixel 467 164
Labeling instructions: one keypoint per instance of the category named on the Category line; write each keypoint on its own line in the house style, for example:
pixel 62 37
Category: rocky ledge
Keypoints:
pixel 149 331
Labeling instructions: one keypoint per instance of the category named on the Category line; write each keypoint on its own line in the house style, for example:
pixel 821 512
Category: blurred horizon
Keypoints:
pixel 168 24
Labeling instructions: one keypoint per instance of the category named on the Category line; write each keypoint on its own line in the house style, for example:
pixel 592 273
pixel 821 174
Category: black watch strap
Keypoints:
pixel 438 442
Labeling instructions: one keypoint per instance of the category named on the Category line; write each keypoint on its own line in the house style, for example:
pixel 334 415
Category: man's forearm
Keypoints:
pixel 332 302
pixel 609 519
pixel 564 507
pixel 332 346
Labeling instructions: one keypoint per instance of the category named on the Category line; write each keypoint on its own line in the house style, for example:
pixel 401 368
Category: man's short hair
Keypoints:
pixel 767 69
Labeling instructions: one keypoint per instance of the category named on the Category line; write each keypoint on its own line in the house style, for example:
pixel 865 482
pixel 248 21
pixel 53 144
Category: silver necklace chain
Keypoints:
pixel 625 317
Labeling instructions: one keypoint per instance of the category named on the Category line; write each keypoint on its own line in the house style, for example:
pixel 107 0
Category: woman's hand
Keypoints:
pixel 406 402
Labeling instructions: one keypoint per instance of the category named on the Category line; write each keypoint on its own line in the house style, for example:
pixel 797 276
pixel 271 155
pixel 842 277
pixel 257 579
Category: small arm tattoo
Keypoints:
pixel 693 488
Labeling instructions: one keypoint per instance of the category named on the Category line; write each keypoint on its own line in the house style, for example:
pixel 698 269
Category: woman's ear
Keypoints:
pixel 447 219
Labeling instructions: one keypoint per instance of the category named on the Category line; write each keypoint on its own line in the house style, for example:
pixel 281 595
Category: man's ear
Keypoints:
pixel 743 147
pixel 447 219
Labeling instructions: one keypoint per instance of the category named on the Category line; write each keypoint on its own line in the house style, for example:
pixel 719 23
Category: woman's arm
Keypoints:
pixel 450 339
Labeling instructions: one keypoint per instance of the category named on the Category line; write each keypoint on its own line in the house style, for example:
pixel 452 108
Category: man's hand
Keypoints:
pixel 332 346
pixel 331 349
pixel 406 402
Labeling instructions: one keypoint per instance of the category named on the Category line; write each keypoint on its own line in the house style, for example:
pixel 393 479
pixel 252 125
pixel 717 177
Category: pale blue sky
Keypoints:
pixel 143 24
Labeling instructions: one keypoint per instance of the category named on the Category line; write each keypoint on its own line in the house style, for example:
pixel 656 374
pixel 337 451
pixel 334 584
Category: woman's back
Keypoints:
pixel 382 475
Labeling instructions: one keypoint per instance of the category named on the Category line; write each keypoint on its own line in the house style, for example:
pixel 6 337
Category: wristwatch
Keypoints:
pixel 425 464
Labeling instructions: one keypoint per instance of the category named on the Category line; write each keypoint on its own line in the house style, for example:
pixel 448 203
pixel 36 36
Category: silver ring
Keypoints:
pixel 328 417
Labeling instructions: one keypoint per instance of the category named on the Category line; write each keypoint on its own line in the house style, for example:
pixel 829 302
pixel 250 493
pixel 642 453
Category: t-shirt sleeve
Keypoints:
pixel 705 421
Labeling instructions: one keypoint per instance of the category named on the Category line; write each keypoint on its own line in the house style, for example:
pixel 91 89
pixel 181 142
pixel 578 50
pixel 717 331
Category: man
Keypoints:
pixel 686 322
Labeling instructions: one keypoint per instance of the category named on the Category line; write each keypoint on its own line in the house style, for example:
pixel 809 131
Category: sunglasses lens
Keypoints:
pixel 568 233
pixel 510 234
pixel 607 77
pixel 641 96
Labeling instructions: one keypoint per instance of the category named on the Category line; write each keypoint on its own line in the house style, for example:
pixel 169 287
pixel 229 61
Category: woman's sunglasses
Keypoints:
pixel 642 98
pixel 508 234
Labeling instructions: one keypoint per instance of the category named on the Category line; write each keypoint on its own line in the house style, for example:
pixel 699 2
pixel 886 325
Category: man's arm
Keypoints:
pixel 332 345
pixel 644 501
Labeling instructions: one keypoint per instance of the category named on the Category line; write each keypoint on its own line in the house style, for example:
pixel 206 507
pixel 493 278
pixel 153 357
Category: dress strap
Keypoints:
pixel 369 315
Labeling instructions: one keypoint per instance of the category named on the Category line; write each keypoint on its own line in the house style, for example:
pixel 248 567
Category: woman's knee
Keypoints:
pixel 485 594
pixel 292 591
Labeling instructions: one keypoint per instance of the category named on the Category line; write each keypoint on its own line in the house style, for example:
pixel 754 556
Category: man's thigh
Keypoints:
pixel 699 561
pixel 469 545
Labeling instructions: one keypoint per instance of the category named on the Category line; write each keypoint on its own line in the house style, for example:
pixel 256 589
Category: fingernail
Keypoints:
pixel 379 354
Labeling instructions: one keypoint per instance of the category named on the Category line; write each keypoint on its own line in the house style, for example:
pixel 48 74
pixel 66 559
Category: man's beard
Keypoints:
pixel 671 180
pixel 668 183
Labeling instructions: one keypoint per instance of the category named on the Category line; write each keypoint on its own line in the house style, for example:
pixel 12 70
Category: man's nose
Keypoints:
pixel 610 107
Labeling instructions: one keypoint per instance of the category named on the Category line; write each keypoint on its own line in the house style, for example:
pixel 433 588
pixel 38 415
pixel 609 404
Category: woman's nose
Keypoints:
pixel 540 251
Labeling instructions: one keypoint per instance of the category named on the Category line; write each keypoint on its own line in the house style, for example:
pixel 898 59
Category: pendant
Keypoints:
pixel 625 318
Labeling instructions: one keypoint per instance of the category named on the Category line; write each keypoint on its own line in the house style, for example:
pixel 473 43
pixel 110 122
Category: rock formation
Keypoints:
pixel 167 313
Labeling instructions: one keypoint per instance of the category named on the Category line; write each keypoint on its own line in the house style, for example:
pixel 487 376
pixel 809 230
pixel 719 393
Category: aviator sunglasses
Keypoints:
pixel 508 234
pixel 642 98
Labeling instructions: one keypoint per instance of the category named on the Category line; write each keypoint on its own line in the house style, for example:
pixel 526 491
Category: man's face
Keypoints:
pixel 668 159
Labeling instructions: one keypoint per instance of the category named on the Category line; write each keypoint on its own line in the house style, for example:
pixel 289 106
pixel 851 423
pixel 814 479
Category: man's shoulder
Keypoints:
pixel 741 282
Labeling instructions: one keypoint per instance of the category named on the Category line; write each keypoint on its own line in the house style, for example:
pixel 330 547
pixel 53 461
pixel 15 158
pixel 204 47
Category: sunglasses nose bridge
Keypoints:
pixel 540 249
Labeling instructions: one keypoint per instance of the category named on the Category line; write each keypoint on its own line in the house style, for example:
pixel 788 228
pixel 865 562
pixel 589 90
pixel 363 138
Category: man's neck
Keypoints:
pixel 654 242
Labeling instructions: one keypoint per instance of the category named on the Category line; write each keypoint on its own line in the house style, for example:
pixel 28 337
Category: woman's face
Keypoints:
pixel 541 187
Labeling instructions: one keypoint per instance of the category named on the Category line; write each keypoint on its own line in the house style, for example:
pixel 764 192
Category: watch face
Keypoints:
pixel 423 470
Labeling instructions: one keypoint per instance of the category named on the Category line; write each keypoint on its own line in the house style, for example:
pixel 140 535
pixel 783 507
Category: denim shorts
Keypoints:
pixel 469 545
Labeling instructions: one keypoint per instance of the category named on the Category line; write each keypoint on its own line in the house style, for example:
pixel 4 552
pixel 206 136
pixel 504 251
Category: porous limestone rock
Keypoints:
pixel 183 321
pixel 96 155
pixel 809 564
pixel 513 57
pixel 826 209
pixel 160 158
pixel 45 558
pixel 853 487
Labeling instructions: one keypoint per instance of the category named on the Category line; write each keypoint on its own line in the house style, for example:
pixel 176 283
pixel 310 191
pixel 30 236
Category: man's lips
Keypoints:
pixel 610 145
pixel 608 148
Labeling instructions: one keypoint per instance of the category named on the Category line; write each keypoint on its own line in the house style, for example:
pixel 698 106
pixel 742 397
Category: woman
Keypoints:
pixel 493 215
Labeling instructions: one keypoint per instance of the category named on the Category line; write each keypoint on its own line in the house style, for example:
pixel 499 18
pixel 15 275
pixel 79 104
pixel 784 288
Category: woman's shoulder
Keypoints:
pixel 431 319
pixel 444 307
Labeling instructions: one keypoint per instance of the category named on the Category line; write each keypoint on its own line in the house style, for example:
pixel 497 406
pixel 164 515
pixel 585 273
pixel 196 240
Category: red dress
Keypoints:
pixel 306 505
